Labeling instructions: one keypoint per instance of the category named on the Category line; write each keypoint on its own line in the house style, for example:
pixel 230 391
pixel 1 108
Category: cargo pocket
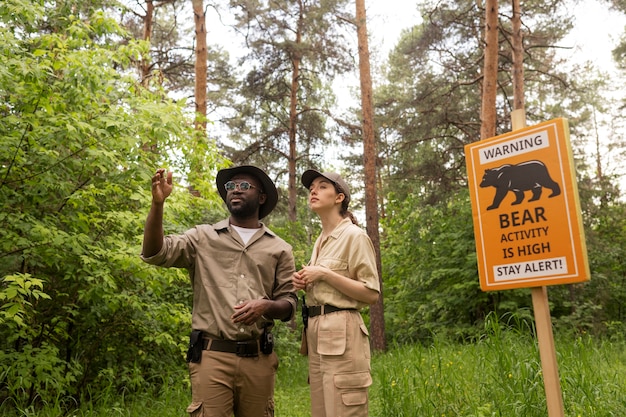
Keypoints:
pixel 351 388
pixel 195 409
pixel 331 337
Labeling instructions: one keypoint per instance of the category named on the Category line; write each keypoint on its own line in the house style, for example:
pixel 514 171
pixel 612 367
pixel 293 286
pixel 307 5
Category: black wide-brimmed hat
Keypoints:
pixel 309 175
pixel 226 174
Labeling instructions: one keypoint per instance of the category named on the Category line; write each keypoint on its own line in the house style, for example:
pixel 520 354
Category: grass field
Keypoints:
pixel 496 376
pixel 499 375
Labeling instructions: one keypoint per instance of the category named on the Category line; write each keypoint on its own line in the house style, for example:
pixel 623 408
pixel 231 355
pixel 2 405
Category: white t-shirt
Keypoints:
pixel 245 233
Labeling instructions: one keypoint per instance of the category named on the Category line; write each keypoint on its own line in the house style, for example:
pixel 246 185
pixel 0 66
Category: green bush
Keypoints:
pixel 81 314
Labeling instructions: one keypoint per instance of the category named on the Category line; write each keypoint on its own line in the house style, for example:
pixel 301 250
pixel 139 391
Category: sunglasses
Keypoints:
pixel 243 186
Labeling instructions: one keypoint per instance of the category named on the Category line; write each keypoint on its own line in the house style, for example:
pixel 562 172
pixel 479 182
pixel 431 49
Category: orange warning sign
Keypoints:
pixel 527 221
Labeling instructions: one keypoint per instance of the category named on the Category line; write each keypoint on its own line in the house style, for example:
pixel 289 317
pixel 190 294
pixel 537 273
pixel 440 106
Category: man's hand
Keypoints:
pixel 161 185
pixel 249 312
pixel 153 230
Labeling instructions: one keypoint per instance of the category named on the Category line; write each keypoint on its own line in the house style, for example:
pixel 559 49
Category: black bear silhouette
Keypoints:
pixel 529 175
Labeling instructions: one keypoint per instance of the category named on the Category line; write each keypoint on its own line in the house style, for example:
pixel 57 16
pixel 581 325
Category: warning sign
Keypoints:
pixel 527 220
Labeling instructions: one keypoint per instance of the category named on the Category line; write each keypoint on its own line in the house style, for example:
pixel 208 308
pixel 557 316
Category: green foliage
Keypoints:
pixel 442 294
pixel 597 307
pixel 15 295
pixel 299 235
pixel 499 375
pixel 79 141
pixel 432 287
pixel 30 367
pixel 83 321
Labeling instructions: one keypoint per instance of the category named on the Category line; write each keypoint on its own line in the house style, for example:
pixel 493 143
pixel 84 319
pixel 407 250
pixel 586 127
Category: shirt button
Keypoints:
pixel 242 276
pixel 241 330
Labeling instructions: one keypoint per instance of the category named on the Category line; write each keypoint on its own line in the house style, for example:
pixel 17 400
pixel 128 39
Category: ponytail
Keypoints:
pixel 348 213
pixel 344 212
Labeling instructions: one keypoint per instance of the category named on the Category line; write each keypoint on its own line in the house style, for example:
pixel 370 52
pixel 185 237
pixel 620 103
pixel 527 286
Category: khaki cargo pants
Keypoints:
pixel 339 364
pixel 226 385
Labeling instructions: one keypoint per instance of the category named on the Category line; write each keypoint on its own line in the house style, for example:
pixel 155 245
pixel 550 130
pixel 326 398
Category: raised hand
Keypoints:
pixel 161 185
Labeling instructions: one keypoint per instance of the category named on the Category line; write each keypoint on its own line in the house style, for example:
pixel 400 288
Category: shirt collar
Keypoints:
pixel 225 224
pixel 338 230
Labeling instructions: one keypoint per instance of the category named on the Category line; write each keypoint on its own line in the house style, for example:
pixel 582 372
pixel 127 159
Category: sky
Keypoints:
pixel 596 30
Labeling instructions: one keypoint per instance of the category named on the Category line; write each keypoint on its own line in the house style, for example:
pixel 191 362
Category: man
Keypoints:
pixel 241 277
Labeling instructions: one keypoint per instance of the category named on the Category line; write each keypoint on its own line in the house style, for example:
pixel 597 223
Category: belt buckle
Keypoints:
pixel 245 350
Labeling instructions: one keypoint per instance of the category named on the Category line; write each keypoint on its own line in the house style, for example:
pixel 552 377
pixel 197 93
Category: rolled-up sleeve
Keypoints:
pixel 178 251
pixel 283 288
pixel 363 262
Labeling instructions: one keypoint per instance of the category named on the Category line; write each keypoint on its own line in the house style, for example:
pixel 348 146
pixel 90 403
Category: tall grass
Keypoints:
pixel 497 375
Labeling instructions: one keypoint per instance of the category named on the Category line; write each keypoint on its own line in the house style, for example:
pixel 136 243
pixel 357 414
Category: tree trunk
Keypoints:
pixel 490 71
pixel 201 64
pixel 293 122
pixel 377 318
pixel 147 33
pixel 518 58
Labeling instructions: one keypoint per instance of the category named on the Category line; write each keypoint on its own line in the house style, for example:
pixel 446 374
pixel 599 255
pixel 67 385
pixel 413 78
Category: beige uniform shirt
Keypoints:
pixel 348 251
pixel 224 272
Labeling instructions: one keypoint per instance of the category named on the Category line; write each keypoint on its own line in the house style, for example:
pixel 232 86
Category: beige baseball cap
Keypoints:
pixel 309 175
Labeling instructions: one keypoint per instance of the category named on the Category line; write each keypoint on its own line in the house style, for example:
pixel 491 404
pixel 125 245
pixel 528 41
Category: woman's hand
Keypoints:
pixel 298 281
pixel 349 287
pixel 308 275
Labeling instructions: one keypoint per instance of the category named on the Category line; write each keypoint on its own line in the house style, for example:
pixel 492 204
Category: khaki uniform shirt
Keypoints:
pixel 348 251
pixel 224 272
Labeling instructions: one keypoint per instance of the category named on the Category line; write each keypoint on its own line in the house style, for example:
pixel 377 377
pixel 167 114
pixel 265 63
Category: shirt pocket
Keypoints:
pixel 218 268
pixel 334 264
pixel 331 338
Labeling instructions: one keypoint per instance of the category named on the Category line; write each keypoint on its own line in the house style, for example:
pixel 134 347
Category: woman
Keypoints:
pixel 340 279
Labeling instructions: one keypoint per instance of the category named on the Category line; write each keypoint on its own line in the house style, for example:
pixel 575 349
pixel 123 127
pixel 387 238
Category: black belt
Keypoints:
pixel 325 309
pixel 243 348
